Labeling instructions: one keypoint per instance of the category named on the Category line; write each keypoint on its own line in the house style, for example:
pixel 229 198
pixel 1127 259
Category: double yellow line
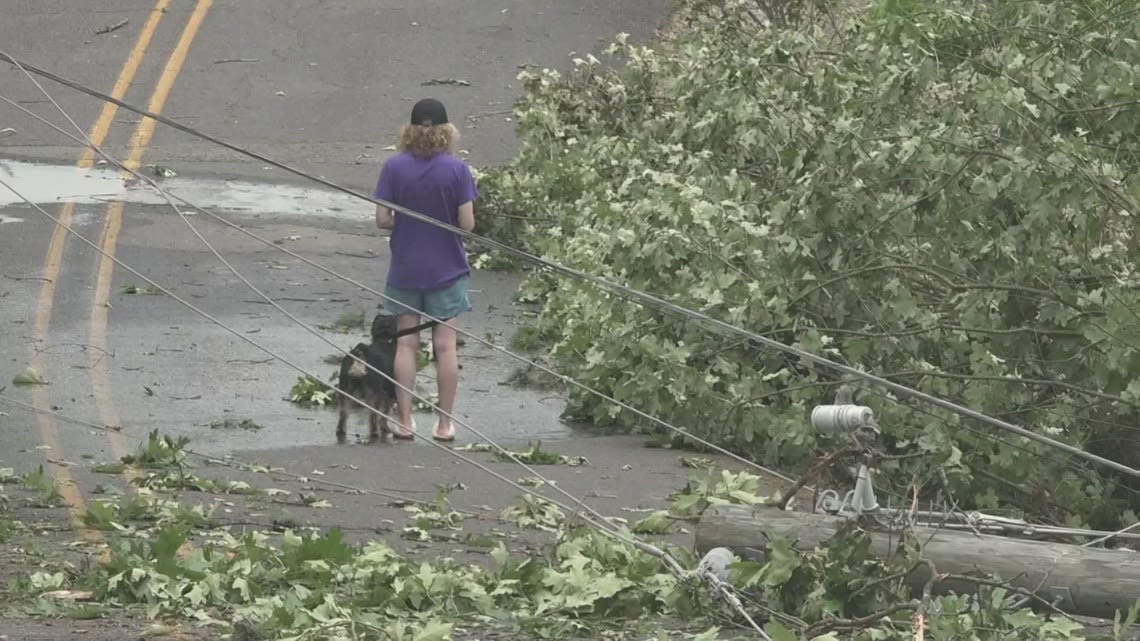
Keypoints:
pixel 49 432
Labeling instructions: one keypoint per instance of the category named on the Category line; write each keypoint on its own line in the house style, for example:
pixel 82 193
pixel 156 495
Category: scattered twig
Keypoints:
pixel 954 507
pixel 115 27
pixel 488 114
pixel 815 470
pixel 18 278
pixel 222 61
pixel 924 602
pixel 83 347
pixel 251 362
pixel 446 81
pixel 1005 586
pixel 823 627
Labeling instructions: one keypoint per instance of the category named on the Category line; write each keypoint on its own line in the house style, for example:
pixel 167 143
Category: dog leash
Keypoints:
pixel 415 330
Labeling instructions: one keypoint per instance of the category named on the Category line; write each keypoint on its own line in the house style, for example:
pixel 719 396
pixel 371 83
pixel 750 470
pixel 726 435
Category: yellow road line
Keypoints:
pixel 49 430
pixel 100 380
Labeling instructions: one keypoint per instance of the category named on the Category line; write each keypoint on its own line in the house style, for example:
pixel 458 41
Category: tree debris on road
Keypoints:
pixel 114 27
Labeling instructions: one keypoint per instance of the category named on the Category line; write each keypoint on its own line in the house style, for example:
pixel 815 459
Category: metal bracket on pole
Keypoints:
pixel 858 423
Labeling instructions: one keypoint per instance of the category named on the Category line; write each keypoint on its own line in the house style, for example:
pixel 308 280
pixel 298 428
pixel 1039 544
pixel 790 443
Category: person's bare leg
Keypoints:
pixel 405 372
pixel 447 375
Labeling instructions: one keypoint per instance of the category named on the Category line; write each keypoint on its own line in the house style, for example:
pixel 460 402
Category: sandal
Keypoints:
pixel 440 437
pixel 405 436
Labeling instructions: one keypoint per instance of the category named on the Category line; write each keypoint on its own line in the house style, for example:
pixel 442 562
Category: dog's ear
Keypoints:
pixel 377 326
pixel 383 326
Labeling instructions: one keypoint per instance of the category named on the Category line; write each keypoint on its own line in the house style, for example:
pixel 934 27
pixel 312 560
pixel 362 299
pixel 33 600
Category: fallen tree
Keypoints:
pixel 944 193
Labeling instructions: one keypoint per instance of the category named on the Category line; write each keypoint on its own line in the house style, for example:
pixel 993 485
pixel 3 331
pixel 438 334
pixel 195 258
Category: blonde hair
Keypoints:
pixel 429 141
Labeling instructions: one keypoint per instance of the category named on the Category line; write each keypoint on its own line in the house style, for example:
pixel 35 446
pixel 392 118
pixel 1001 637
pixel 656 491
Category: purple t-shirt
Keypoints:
pixel 425 256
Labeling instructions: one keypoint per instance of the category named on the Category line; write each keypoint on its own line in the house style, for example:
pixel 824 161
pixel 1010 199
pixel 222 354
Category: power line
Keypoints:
pixel 645 547
pixel 612 531
pixel 233 270
pixel 644 298
pixel 725 590
pixel 229 461
pixel 471 335
pixel 300 369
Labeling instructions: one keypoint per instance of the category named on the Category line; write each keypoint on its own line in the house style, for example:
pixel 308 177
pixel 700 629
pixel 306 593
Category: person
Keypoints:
pixel 429 269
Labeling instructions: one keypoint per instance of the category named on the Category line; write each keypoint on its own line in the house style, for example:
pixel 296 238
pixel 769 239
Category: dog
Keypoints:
pixel 363 383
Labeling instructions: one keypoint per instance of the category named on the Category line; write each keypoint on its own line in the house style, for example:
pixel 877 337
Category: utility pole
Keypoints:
pixel 1079 580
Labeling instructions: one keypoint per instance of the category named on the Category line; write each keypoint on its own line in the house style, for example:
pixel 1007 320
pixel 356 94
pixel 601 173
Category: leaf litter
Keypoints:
pixel 173 561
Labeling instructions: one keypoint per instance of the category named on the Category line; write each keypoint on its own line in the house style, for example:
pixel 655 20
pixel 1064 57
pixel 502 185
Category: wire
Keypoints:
pixel 254 343
pixel 612 530
pixel 1066 463
pixel 473 336
pixel 229 461
pixel 671 563
pixel 1112 535
pixel 662 556
pixel 644 298
pixel 299 322
pixel 665 558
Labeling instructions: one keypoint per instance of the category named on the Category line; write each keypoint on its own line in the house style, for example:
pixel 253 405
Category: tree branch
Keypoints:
pixel 815 470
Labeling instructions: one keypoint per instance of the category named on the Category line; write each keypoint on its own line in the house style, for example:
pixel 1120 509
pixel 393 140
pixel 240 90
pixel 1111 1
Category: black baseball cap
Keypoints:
pixel 429 112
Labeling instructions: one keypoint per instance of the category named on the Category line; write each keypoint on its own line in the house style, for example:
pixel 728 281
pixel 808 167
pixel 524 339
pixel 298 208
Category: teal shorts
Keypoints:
pixel 444 303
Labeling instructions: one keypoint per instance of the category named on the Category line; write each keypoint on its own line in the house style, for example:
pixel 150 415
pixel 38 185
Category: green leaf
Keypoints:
pixel 29 377
pixel 782 561
pixel 712 634
pixel 778 632
pixel 434 632
pixel 658 522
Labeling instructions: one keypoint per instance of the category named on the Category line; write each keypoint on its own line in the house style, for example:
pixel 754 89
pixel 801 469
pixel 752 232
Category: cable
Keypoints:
pixel 970 517
pixel 644 298
pixel 665 558
pixel 264 349
pixel 1054 460
pixel 1112 535
pixel 231 461
pixel 308 328
pixel 471 335
pixel 661 555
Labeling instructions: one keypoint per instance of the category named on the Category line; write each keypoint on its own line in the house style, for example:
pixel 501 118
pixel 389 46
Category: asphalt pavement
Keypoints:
pixel 315 83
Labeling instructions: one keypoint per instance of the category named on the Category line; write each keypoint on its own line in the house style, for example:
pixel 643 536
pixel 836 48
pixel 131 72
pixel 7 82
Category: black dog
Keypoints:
pixel 363 383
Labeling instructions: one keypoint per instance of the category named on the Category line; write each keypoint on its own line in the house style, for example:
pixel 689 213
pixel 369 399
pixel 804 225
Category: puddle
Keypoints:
pixel 53 184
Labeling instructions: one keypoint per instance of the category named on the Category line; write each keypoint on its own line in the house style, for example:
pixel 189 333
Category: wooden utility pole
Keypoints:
pixel 1081 581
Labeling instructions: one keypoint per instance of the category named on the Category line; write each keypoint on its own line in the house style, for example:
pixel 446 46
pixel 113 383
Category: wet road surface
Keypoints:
pixel 321 86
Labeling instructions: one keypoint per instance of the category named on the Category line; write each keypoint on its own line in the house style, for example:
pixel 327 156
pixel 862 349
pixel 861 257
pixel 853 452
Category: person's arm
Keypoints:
pixel 467 216
pixel 386 218
pixel 468 193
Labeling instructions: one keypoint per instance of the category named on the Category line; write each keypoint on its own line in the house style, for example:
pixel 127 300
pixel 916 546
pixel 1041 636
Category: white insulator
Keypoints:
pixel 716 562
pixel 831 419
